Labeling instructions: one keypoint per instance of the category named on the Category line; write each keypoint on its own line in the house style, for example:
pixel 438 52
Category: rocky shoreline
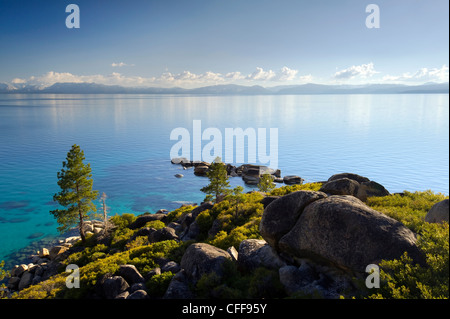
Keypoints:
pixel 318 242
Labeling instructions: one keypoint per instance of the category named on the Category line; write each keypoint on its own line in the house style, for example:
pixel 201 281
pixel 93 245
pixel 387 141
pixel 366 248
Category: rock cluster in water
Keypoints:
pixel 250 173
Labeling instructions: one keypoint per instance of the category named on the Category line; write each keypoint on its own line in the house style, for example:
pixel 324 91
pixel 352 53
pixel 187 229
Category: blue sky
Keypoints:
pixel 193 43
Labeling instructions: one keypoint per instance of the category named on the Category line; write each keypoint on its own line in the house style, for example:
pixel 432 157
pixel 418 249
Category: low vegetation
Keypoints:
pixel 236 218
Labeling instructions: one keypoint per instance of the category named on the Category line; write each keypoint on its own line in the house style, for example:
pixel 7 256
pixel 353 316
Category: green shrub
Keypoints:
pixel 137 242
pixel 156 224
pixel 400 278
pixel 87 255
pixel 158 284
pixel 265 283
pixel 284 190
pixel 232 284
pixel 178 213
pixel 120 237
pixel 123 220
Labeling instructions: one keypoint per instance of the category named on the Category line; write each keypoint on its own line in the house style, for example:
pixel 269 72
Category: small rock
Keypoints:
pixel 171 266
pixel 233 253
pixel 56 251
pixel 138 294
pixel 130 274
pixel 201 170
pixel 137 286
pixel 153 272
pixel 123 295
pixel 43 253
pixel 292 179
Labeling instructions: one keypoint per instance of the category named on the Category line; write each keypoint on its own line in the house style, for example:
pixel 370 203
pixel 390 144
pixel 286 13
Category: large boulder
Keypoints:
pixel 341 186
pixel 18 270
pixel 200 259
pixel 355 177
pixel 254 253
pixel 192 232
pixel 344 231
pixel 268 199
pixel 165 233
pixel 282 214
pixel 25 280
pixel 370 189
pixel 353 184
pixel 438 213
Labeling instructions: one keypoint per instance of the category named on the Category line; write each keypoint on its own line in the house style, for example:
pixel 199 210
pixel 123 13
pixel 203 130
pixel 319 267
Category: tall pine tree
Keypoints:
pixel 218 181
pixel 76 195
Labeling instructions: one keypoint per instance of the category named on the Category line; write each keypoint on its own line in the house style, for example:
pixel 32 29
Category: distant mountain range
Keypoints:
pixel 229 89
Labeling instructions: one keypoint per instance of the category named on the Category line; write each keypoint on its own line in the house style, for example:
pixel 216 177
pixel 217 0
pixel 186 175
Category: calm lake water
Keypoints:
pixel 400 141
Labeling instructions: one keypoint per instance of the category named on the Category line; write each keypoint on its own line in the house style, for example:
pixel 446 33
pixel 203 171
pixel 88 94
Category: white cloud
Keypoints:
pixel 18 81
pixel 261 75
pixel 286 74
pixel 234 76
pixel 186 78
pixel 363 71
pixel 421 76
pixel 120 64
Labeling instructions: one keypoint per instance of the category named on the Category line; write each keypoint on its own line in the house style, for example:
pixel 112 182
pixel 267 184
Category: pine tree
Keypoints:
pixel 237 198
pixel 218 181
pixel 266 183
pixel 76 193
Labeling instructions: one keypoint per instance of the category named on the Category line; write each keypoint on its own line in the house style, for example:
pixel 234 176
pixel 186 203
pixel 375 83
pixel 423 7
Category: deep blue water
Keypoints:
pixel 400 141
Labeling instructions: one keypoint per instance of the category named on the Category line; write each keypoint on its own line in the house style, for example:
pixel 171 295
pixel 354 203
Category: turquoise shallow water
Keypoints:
pixel 400 141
